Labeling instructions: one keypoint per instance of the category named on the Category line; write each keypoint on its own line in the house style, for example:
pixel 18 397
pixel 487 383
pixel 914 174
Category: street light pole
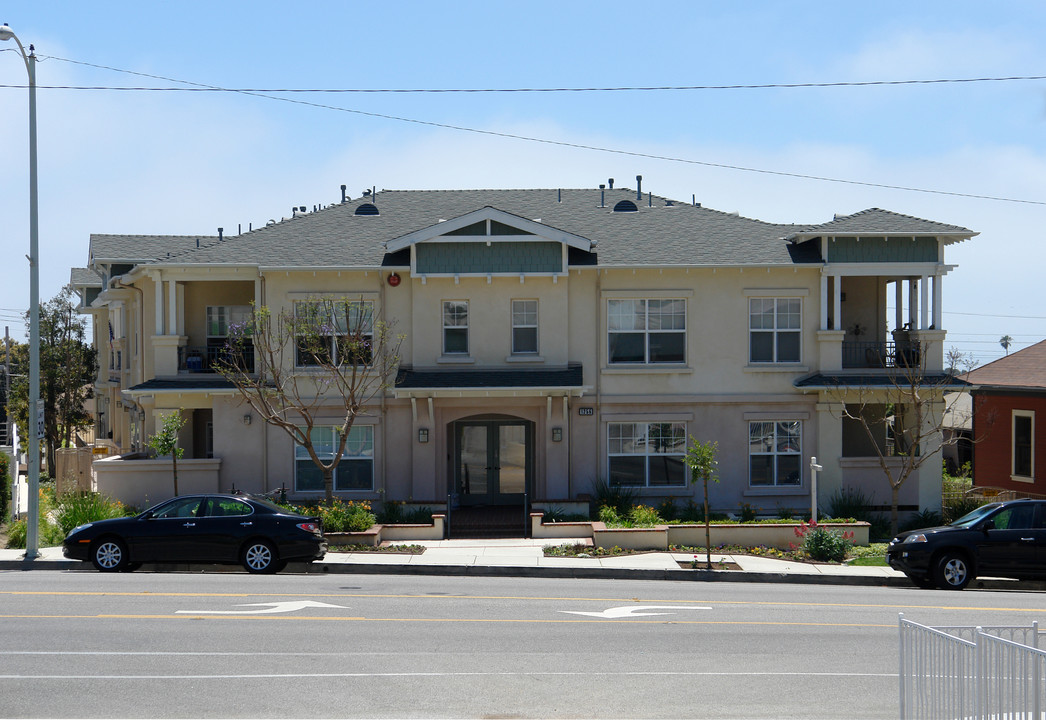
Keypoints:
pixel 32 535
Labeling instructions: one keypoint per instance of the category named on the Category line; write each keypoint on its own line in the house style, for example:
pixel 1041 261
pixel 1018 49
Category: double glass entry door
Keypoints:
pixel 492 462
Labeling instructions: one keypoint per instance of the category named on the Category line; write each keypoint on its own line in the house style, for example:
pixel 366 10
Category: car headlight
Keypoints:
pixel 917 538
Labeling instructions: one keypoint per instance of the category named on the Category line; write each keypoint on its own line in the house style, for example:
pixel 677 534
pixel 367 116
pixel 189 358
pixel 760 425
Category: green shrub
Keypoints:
pixel 341 516
pixel 747 512
pixel 619 497
pixel 954 508
pixel 824 544
pixel 609 517
pixel 922 519
pixel 850 502
pixel 79 508
pixel 668 510
pixel 50 535
pixel 785 513
pixel 644 516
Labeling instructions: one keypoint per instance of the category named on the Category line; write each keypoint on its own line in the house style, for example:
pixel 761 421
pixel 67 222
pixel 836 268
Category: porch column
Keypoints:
pixel 924 303
pixel 158 304
pixel 172 308
pixel 913 304
pixel 837 302
pixel 824 302
pixel 938 280
pixel 898 303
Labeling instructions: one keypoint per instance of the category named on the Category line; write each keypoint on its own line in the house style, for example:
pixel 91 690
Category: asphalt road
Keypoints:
pixel 231 645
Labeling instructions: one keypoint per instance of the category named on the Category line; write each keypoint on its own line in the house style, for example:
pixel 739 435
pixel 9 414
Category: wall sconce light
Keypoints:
pixel 557 434
pixel 247 419
pixel 423 435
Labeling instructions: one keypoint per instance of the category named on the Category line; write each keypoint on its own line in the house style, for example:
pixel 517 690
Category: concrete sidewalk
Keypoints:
pixel 518 557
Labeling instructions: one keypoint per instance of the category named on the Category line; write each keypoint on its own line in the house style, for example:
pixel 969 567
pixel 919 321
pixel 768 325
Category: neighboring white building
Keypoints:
pixel 554 339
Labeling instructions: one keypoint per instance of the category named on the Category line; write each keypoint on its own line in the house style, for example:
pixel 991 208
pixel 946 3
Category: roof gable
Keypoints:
pixel 439 231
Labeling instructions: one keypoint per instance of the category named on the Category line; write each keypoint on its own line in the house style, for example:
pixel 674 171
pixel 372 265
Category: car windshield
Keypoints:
pixel 971 518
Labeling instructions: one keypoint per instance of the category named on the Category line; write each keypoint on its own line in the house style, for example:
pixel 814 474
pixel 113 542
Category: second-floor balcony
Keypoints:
pixel 207 358
pixel 900 354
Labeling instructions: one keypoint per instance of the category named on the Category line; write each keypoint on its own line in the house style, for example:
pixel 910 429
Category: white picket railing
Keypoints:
pixel 989 673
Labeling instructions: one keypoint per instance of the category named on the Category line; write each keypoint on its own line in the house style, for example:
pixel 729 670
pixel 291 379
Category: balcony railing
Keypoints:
pixel 894 354
pixel 207 359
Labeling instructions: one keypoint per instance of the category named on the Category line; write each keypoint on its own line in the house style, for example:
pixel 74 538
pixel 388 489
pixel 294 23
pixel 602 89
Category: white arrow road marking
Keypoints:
pixel 276 607
pixel 634 611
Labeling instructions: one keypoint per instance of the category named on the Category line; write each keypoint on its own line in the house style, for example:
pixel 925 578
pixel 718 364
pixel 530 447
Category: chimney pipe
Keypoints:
pixel 343 193
pixel 639 188
pixel 611 183
pixel 220 230
pixel 602 196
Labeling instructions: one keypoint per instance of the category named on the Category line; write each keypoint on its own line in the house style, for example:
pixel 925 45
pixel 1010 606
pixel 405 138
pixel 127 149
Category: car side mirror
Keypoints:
pixel 989 525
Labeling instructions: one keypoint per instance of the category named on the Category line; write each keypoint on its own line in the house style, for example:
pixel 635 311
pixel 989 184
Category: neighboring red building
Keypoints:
pixel 1009 421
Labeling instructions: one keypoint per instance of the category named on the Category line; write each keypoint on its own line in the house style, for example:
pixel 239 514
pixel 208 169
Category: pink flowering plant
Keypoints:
pixel 823 544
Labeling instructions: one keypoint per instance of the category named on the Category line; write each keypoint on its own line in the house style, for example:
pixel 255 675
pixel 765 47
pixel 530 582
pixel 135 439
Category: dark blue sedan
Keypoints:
pixel 222 529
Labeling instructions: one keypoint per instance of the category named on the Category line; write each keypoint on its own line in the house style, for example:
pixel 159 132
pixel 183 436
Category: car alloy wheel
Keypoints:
pixel 260 557
pixel 109 555
pixel 953 572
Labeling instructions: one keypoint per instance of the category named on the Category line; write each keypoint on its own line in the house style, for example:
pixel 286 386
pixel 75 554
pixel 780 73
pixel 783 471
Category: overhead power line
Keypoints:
pixel 583 146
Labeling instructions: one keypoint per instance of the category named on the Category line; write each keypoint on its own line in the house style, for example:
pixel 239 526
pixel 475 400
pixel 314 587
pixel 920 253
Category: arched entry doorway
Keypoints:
pixel 492 460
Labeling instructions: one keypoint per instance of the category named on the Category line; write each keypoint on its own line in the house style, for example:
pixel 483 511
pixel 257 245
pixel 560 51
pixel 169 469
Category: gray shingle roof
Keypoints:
pixel 881 222
pixel 141 248
pixel 662 232
pixel 85 277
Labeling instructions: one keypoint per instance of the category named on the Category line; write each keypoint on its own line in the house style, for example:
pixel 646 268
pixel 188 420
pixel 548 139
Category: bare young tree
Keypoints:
pixel 900 413
pixel 326 354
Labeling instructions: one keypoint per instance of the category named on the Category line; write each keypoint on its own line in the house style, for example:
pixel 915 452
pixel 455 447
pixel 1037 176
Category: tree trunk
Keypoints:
pixel 174 462
pixel 328 484
pixel 895 492
pixel 708 530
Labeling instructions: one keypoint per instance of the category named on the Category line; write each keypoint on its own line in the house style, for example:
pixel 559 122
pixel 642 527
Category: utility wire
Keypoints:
pixel 578 146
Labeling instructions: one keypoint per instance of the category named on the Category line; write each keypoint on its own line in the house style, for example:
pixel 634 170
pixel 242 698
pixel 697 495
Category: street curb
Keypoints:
pixel 516 571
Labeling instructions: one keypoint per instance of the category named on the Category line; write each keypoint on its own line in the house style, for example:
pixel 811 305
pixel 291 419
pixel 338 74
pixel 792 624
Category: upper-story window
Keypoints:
pixel 455 327
pixel 333 331
pixel 221 324
pixel 774 329
pixel 646 330
pixel 524 327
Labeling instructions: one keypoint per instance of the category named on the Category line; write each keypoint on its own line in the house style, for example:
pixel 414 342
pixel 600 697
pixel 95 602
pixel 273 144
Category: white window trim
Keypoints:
pixel 448 356
pixel 528 354
pixel 334 429
pixel 790 365
pixel 646 297
pixel 1030 414
pixel 334 345
pixel 646 467
pixel 776 485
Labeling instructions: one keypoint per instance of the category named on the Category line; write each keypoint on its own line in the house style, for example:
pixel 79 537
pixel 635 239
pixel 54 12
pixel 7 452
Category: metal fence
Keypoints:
pixel 971 672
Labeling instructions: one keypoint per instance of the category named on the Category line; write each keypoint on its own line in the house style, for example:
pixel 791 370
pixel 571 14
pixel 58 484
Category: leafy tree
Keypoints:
pixel 165 441
pixel 68 366
pixel 291 367
pixel 1006 341
pixel 701 459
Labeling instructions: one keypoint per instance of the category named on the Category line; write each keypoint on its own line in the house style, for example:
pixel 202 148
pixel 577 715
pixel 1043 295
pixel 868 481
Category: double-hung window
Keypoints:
pixel 774 329
pixel 337 332
pixel 646 331
pixel 228 336
pixel 646 454
pixel 455 327
pixel 524 327
pixel 774 451
pixel 1023 448
pixel 355 470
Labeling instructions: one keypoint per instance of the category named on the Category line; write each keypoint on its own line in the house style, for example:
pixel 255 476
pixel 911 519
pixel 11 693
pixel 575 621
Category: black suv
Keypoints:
pixel 1004 539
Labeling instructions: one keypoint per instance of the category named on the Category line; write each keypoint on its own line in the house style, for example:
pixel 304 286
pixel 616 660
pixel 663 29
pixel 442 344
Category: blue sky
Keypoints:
pixel 189 162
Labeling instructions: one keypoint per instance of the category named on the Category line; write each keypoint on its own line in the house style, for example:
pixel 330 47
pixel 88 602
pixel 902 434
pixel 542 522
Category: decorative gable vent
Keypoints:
pixel 367 209
pixel 626 206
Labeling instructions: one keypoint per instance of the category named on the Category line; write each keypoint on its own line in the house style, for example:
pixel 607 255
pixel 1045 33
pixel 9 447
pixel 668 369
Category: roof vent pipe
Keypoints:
pixel 639 187
pixel 610 182
pixel 343 193
pixel 559 195
pixel 220 231
pixel 650 199
pixel 602 196
pixel 197 243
